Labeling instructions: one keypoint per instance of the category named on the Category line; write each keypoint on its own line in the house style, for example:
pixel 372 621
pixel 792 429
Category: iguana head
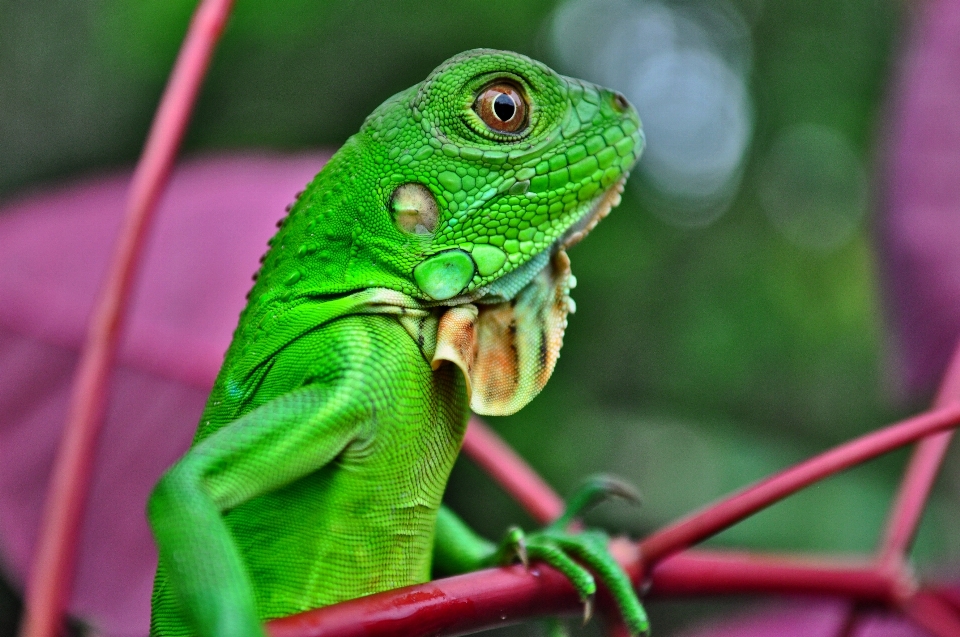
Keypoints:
pixel 495 160
pixel 463 192
pixel 454 187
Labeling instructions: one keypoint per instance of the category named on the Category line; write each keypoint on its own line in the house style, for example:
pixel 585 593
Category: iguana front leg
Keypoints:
pixel 289 437
pixel 458 549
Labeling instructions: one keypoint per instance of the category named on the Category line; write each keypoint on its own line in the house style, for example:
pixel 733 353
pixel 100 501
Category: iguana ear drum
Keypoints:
pixel 414 209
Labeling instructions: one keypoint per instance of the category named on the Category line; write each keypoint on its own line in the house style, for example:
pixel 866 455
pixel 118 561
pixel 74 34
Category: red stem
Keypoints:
pixel 484 599
pixel 949 594
pixel 495 597
pixel 928 610
pixel 512 472
pixel 452 606
pixel 51 576
pixel 715 518
pixel 920 475
pixel 699 572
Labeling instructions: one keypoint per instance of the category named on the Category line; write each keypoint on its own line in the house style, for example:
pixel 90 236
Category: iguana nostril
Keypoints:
pixel 620 102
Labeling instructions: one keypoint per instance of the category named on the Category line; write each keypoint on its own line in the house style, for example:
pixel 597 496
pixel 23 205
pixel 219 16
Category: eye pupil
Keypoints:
pixel 504 108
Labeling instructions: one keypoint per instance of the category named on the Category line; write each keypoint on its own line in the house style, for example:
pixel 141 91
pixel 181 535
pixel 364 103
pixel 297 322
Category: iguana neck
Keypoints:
pixel 332 242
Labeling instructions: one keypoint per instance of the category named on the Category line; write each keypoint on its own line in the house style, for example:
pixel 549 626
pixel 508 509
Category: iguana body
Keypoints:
pixel 420 274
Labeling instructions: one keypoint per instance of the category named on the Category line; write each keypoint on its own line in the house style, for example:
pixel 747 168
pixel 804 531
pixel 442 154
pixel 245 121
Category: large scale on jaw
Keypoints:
pixel 444 275
pixel 489 258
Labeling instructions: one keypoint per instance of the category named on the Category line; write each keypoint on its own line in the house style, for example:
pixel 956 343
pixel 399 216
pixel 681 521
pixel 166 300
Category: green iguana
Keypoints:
pixel 421 274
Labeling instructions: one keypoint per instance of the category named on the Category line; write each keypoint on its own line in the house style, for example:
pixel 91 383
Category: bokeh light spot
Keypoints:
pixel 813 187
pixel 684 68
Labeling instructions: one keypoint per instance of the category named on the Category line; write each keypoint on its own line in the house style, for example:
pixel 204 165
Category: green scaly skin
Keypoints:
pixel 318 467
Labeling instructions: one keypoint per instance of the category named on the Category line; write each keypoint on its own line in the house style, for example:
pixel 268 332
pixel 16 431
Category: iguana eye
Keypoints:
pixel 502 107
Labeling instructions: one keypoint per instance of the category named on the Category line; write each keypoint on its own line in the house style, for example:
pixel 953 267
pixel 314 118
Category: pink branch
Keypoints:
pixel 698 572
pixel 949 594
pixel 512 472
pixel 495 597
pixel 51 576
pixel 920 475
pixel 452 606
pixel 715 518
pixel 484 599
pixel 926 609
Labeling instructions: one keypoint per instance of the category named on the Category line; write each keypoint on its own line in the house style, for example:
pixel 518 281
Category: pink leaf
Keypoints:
pixel 808 618
pixel 213 225
pixel 920 227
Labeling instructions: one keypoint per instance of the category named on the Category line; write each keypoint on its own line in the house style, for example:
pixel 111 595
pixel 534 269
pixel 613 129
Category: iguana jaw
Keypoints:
pixel 609 200
pixel 522 276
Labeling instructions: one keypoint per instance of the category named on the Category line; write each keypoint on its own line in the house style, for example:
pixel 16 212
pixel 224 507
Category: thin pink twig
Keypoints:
pixel 484 599
pixel 512 472
pixel 919 477
pixel 495 597
pixel 716 517
pixel 926 609
pixel 51 576
pixel 700 572
pixel 949 594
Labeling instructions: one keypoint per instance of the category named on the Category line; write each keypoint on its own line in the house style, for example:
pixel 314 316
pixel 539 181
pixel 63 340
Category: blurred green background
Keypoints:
pixel 728 317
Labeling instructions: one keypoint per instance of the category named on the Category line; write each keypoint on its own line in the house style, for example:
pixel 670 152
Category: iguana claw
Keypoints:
pixel 513 546
pixel 557 546
pixel 595 490
pixel 588 608
pixel 520 546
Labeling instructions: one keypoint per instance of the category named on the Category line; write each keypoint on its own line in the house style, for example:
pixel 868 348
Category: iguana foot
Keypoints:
pixel 558 547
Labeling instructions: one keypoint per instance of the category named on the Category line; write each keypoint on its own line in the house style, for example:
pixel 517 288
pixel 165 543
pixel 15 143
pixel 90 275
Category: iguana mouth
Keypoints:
pixel 507 287
pixel 607 202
